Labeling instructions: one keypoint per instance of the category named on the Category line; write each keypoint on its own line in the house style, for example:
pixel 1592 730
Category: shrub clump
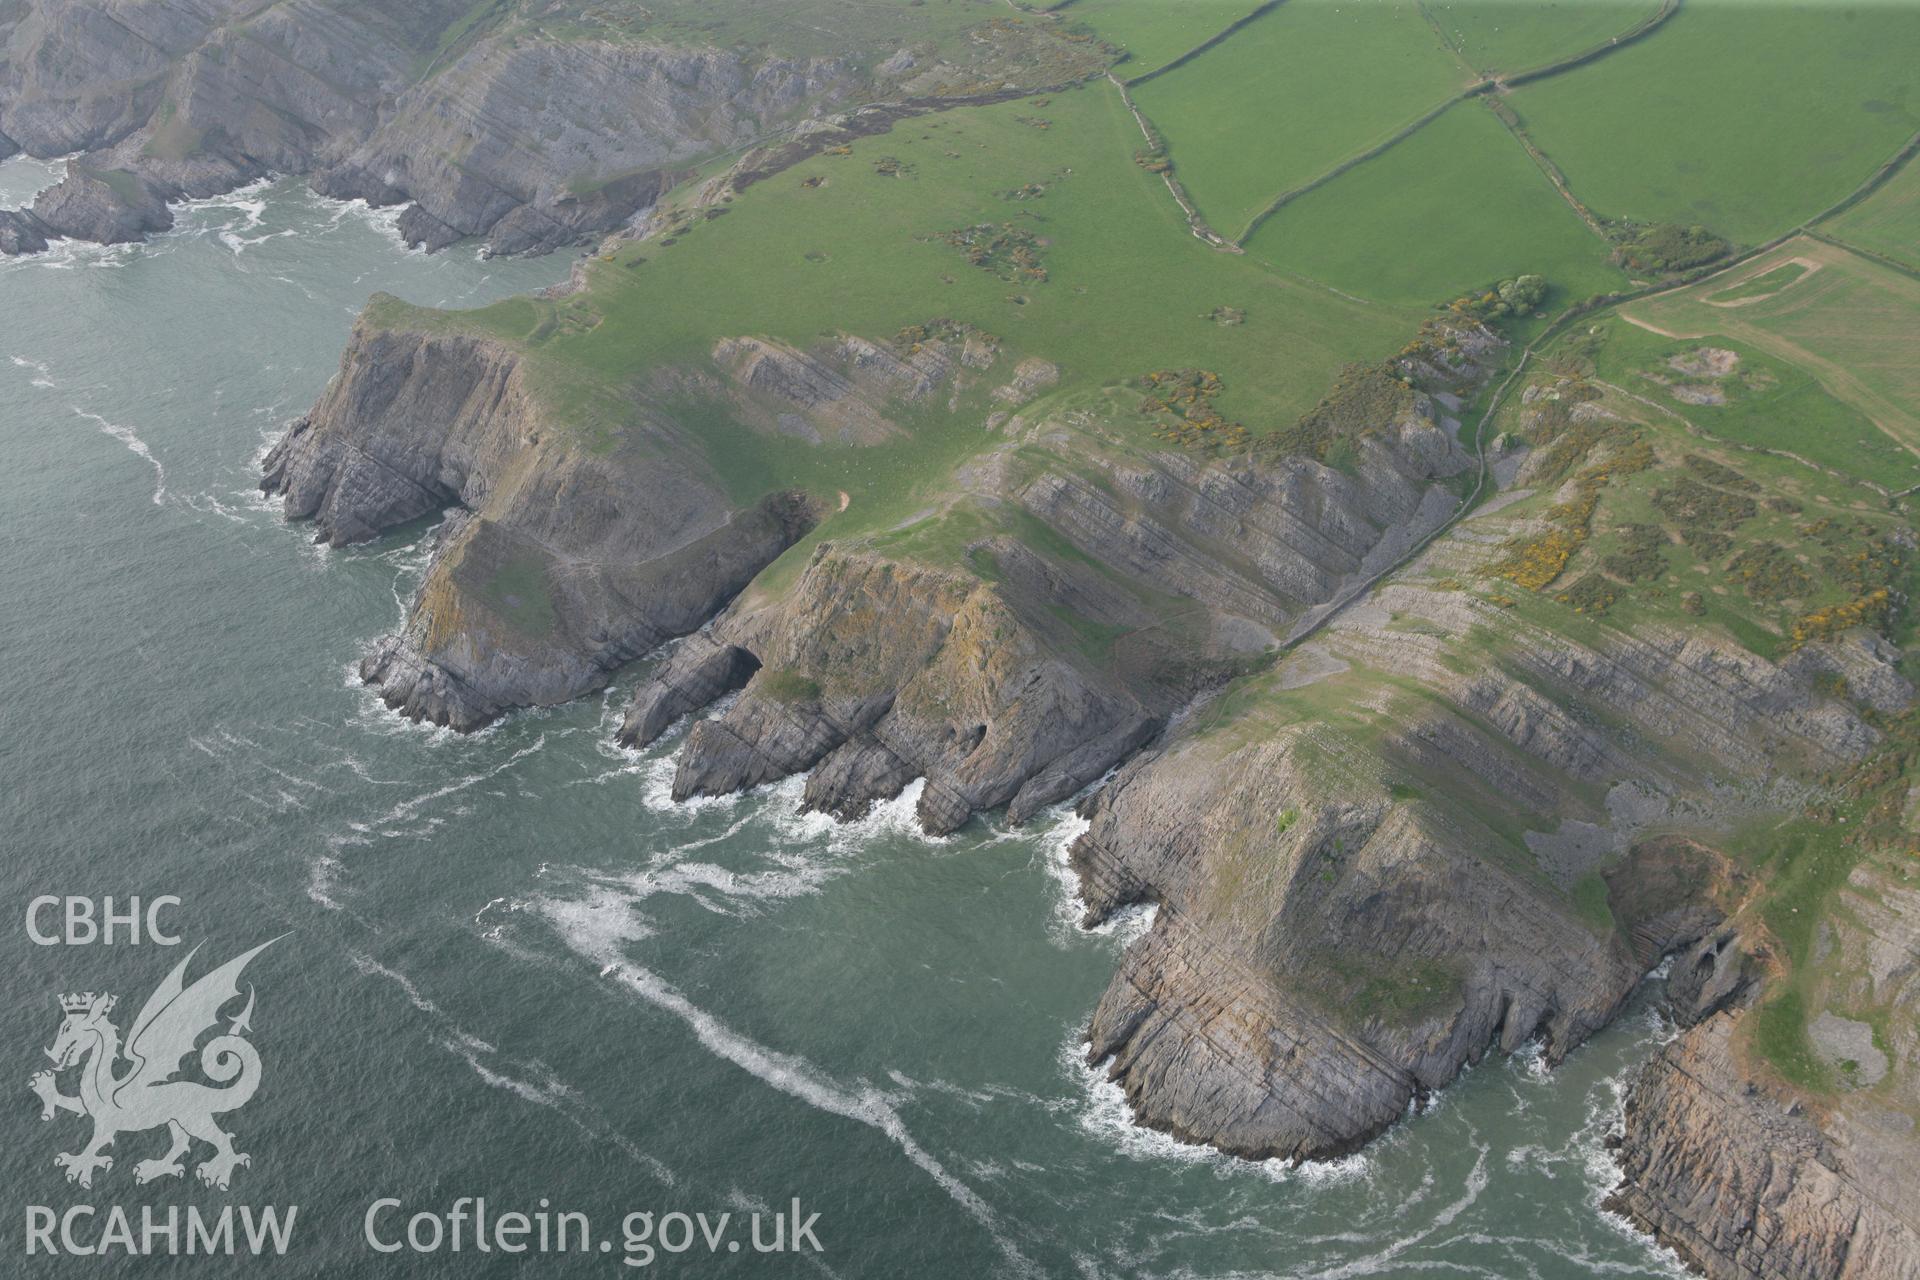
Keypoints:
pixel 1365 398
pixel 1009 252
pixel 1641 555
pixel 1705 516
pixel 1719 474
pixel 1665 248
pixel 1516 297
pixel 1592 594
pixel 1182 402
pixel 1769 573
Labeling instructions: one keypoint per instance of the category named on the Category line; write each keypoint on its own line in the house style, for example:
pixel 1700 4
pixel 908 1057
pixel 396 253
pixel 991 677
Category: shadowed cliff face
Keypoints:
pixel 1744 1175
pixel 1444 824
pixel 1743 1184
pixel 1004 670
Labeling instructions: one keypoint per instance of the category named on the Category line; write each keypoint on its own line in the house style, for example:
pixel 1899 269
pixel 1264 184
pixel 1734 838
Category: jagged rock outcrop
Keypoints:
pixel 564 563
pixel 532 142
pixel 921 673
pixel 536 144
pixel 105 208
pixel 1746 1176
pixel 21 232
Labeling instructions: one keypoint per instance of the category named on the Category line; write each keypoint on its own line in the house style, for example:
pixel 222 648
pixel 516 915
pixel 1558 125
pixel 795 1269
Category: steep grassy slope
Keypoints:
pixel 1479 805
pixel 863 242
pixel 943 443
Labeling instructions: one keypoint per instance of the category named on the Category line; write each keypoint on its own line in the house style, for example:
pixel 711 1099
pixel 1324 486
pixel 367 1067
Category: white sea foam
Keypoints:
pixel 600 937
pixel 1104 1114
pixel 1377 1262
pixel 42 376
pixel 384 221
pixel 1126 926
pixel 323 876
pixel 131 439
pixel 530 1081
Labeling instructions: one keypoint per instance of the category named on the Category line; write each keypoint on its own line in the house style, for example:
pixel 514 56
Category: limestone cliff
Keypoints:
pixel 563 563
pixel 1747 1174
pixel 1082 594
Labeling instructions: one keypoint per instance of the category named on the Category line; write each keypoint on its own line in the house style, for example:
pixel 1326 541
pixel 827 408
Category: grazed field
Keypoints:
pixel 1849 324
pixel 1455 207
pixel 1762 401
pixel 1888 221
pixel 1672 128
pixel 1154 32
pixel 1501 36
pixel 865 250
pixel 1291 95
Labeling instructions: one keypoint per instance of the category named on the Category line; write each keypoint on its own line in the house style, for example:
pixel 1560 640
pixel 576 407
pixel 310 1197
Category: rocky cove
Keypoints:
pixel 1396 815
pixel 1384 945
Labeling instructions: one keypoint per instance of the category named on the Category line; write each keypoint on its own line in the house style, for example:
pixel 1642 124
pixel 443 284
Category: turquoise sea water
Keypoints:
pixel 513 969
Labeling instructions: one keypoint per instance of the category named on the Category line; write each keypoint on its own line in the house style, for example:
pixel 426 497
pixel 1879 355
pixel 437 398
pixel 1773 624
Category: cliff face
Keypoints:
pixel 533 143
pixel 1082 596
pixel 563 562
pixel 1746 1176
pixel 531 139
pixel 1351 904
pixel 539 143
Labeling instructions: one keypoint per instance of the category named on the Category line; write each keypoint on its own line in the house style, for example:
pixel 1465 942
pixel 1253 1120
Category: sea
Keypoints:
pixel 507 975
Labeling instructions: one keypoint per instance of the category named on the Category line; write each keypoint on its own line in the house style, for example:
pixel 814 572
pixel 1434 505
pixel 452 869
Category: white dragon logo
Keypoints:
pixel 145 1095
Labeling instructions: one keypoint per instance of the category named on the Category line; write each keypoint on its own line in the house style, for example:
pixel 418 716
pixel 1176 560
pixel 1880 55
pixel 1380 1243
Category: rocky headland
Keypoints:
pixel 1410 771
pixel 1440 826
pixel 528 135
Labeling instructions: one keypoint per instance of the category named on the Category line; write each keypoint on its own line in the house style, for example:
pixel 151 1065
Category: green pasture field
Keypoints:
pixel 1746 118
pixel 1888 221
pixel 1510 36
pixel 1293 94
pixel 1454 208
pixel 1850 324
pixel 1129 291
pixel 1771 403
pixel 1155 32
